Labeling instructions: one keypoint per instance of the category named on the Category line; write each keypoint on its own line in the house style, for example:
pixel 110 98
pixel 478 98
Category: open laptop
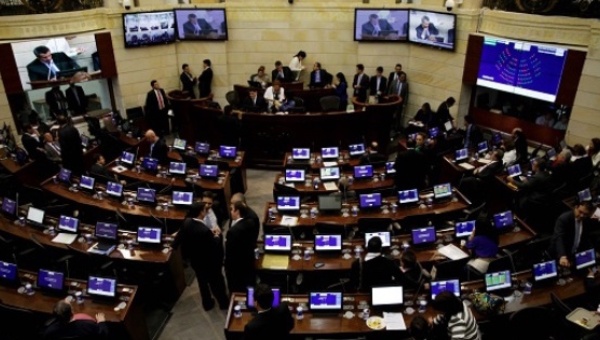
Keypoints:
pixel 150 164
pixel 498 281
pixel 85 141
pixel 330 152
pixel 295 175
pixel 226 151
pixel 149 237
pixel 434 132
pixel 585 259
pixel 209 171
pixel 288 204
pixel 202 148
pixel 363 172
pixel 389 168
pixel 102 288
pixel 250 303
pixel 407 197
pixel 330 173
pixel 451 285
pixel 182 198
pixel 503 221
pixel 9 275
pixel 385 236
pixel 328 243
pixel 87 183
pixel 108 235
pixel 35 217
pixel 482 147
pixel 300 154
pixel 330 203
pixel 514 171
pixel 423 236
pixel 275 243
pixel 51 282
pixel 356 150
pixel 64 176
pixel 464 228
pixel 584 195
pixel 9 208
pixel 370 201
pixel 146 196
pixel 442 191
pixel 325 302
pixel 179 144
pixel 114 189
pixel 68 227
pixel 127 158
pixel 177 168
pixel 497 139
pixel 461 155
pixel 387 297
pixel 545 272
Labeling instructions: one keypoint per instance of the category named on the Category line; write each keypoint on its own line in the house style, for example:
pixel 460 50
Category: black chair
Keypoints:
pixel 330 103
pixel 233 99
pixel 13 320
pixel 450 269
pixel 284 190
pixel 371 225
pixel 566 329
pixel 298 105
pixel 531 324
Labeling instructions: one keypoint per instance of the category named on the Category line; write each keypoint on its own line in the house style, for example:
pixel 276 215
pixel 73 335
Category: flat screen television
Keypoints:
pixel 148 28
pixel 201 23
pixel 434 29
pixel 521 67
pixel 383 25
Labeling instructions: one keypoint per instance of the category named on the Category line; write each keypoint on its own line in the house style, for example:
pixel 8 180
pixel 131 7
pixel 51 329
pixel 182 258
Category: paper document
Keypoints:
pixel 330 186
pixel 271 261
pixel 466 166
pixel 290 185
pixel 452 252
pixel 289 221
pixel 484 161
pixel 64 238
pixel 394 321
pixel 328 164
pixel 596 214
pixel 118 169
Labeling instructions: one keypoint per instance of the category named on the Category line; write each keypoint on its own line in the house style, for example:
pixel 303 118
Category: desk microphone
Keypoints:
pixel 165 189
pixel 119 214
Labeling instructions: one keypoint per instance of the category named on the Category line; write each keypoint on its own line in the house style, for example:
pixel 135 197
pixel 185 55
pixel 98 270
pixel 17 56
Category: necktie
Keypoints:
pixel 76 96
pixel 399 87
pixel 281 75
pixel 467 136
pixel 578 230
pixel 318 76
pixel 58 100
pixel 161 103
pixel 151 149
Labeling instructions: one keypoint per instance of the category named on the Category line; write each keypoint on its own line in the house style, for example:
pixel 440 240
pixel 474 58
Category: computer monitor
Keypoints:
pixel 464 228
pixel 64 176
pixel 584 195
pixel 328 242
pixel 461 154
pixel 9 207
pixel 389 168
pixel 363 171
pixel 551 153
pixel 448 126
pixel 51 281
pixel 434 132
pixel 177 168
pixel 114 189
pixel 294 175
pixel 330 152
pixel 226 151
pixel 300 154
pixel 35 216
pixel 102 287
pixel 202 148
pixel 503 219
pixel 514 170
pixel 127 158
pixel 330 203
pixel 387 296
pixel 68 224
pixel 356 149
pixel 182 198
pixel 545 270
pixel 385 236
pixel 325 302
pixel 8 273
pixel 482 147
pixel 497 138
pixel 87 182
pixel 370 201
pixel 452 286
pixel 250 303
pixel 106 231
pixel 278 243
pixel 179 144
pixel 209 170
pixel 408 196
pixel 442 191
pixel 150 164
pixel 498 280
pixel 146 195
pixel 288 203
pixel 585 259
pixel 330 173
pixel 149 235
pixel 85 140
pixel 421 236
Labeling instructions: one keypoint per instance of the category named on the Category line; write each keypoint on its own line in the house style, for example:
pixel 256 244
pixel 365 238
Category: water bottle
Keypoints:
pixel 394 208
pixel 313 213
pixel 299 313
pixel 354 211
pixel 366 313
pixel 237 311
pixel 256 253
pixel 79 298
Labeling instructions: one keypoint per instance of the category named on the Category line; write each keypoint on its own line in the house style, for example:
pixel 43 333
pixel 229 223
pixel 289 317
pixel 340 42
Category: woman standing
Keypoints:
pixel 341 89
pixel 296 63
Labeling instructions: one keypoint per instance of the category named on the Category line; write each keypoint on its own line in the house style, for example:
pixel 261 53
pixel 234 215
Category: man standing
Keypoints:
pixel 157 108
pixel 239 249
pixel 70 145
pixel 394 75
pixel 319 78
pixel 77 100
pixel 32 143
pixel 571 233
pixel 47 64
pixel 188 80
pixel 473 135
pixel 443 112
pixel 205 79
pixel 270 322
pixel 378 83
pixel 57 102
pixel 360 83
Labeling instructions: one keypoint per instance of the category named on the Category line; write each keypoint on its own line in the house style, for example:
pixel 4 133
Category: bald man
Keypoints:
pixel 158 147
pixel 75 326
pixel 251 214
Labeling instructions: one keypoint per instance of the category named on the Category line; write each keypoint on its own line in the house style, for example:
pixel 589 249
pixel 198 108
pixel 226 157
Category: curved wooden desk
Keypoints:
pixel 359 185
pixel 311 97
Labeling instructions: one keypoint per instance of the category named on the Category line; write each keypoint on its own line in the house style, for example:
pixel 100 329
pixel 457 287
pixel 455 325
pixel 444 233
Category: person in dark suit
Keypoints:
pixel 443 112
pixel 51 148
pixel 251 214
pixel 360 84
pixel 375 269
pixel 341 89
pixel 476 186
pixel 239 249
pixel 200 244
pixel 571 233
pixel 158 147
pixel 270 322
pixel 375 27
pixel 98 169
pixel 393 77
pixel 426 30
pixel 157 108
pixel 33 143
pixel 378 83
pixel 76 99
pixel 205 79
pixel 70 145
pixel 520 142
pixel 413 176
pixel 412 272
pixel 535 191
pixel 194 28
pixel 282 73
pixel 57 101
pixel 491 169
pixel 319 78
pixel 47 64
pixel 473 135
pixel 67 325
pixel 188 81
pixel 254 102
pixel 581 164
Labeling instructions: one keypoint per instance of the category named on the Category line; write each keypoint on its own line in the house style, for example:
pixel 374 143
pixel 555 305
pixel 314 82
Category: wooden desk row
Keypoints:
pixel 345 161
pixel 379 181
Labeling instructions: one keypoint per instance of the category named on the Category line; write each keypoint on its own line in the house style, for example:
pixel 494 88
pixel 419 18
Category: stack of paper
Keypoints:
pixel 271 261
pixel 466 166
pixel 452 252
pixel 330 186
pixel 394 321
pixel 289 221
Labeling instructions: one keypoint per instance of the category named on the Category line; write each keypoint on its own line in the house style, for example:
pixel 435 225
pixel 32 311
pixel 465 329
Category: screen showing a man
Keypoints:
pixel 432 28
pixel 47 65
pixel 380 24
pixel 201 24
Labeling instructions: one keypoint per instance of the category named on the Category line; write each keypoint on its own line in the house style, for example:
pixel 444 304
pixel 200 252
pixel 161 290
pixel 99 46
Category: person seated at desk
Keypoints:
pixel 537 189
pixel 158 147
pixel 270 322
pixel 371 156
pixel 254 103
pixel 375 269
pixel 426 30
pixel 562 123
pixel 51 148
pixel 493 168
pixel 341 89
pixel 67 325
pixel 275 97
pixel 195 28
pixel 33 143
pixel 561 166
pixel 344 191
pixel 261 77
pixel 375 27
pixel 581 164
pixel 424 118
pixel 56 100
pixel 419 328
pixel 378 83
pixel 47 64
pixel 98 169
pixel 413 273
pixel 319 78
pixel 282 73
pixel 473 135
pixel 571 233
pixel 547 119
pixel 483 245
pixel 456 317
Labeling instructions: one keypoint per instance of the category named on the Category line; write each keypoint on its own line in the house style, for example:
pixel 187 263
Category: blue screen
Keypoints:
pixel 585 259
pixel 545 270
pixel 503 220
pixel 203 148
pixel 356 149
pixel 300 153
pixel 8 271
pixel 363 171
pixel 464 228
pixel 250 297
pixel 107 230
pixel 408 196
pixel 68 223
pixel 50 279
pixel 423 235
pixel 370 200
pixel 227 151
pixel 452 286
pixel 146 195
pixel 9 206
pixel 207 170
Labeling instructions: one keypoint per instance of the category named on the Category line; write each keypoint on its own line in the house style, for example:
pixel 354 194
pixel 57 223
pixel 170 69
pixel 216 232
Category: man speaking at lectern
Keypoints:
pixel 47 64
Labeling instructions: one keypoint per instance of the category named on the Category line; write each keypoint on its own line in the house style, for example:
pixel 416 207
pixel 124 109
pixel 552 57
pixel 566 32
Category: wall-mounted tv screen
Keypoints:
pixel 432 28
pixel 380 24
pixel 524 68
pixel 148 28
pixel 201 24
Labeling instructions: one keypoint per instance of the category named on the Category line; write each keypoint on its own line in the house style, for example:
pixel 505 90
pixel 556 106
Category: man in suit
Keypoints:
pixel 443 112
pixel 375 269
pixel 70 145
pixel 205 79
pixel 378 83
pixel 571 233
pixel 75 326
pixel 282 73
pixel 251 214
pixel 32 143
pixel 376 27
pixel 254 102
pixel 360 84
pixel 394 75
pixel 98 169
pixel 57 101
pixel 76 99
pixel 47 64
pixel 473 135
pixel 52 148
pixel 157 108
pixel 270 322
pixel 491 169
pixel 194 28
pixel 475 187
pixel 319 78
pixel 188 80
pixel 158 147
pixel 535 191
pixel 426 30
pixel 239 249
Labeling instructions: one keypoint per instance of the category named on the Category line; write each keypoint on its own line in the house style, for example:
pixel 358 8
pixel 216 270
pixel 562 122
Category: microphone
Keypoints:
pixel 165 189
pixel 119 214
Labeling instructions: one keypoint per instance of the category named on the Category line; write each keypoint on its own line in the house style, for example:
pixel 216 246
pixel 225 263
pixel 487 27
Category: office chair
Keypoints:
pixel 531 324
pixel 450 269
pixel 14 319
pixel 330 103
pixel 298 105
pixel 232 98
pixel 369 225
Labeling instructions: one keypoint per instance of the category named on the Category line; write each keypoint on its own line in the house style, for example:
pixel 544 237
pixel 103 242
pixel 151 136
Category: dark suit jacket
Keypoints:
pixel 368 28
pixel 252 216
pixel 475 135
pixel 379 271
pixel 413 176
pixel 189 31
pixel 80 329
pixel 562 240
pixel 31 146
pixel 239 247
pixel 288 75
pixel 490 170
pixel 521 147
pixel 443 114
pixel 152 109
pixel 249 105
pixel 188 84
pixel 326 79
pixel 199 245
pixel 76 99
pixel 204 82
pixel 538 187
pixel 432 30
pixel 361 92
pixel 57 104
pixel 159 151
pixel 70 148
pixel 39 71
pixel 382 85
pixel 101 172
pixel 580 168
pixel 275 323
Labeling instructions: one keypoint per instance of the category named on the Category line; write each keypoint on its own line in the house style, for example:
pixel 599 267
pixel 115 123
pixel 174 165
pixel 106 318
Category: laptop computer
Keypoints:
pixel 226 151
pixel 356 150
pixel 150 164
pixel 51 282
pixel 442 191
pixel 482 147
pixel 64 176
pixel 254 84
pixel 329 173
pixel 383 297
pixel 370 201
pixel 423 236
pixel 68 227
pixel 385 236
pixel 250 303
pixel 514 171
pixel 550 153
pixel 182 198
pixel 545 272
pixel 461 155
pixel 9 208
pixel 301 154
pixel 363 172
pixel 202 148
pixel 503 221
pixel 497 139
pixel 584 195
pixel 498 281
pixel 9 274
pixel 149 236
pixel 146 196
pixel 209 171
pixel 406 197
pixel 389 168
pixel 585 259
pixel 107 234
pixel 179 144
pixel 330 203
pixel 288 204
pixel 114 189
pixel 328 243
pixel 330 152
pixel 35 217
pixel 87 183
pixel 177 168
pixel 434 132
pixel 278 243
pixel 295 175
pixel 127 158
pixel 464 228
pixel 85 141
pixel 325 302
pixel 102 288
pixel 451 285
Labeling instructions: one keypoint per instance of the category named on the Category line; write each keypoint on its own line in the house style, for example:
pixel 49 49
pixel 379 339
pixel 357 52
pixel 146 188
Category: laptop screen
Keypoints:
pixel 497 138
pixel 584 259
pixel 452 286
pixel 107 231
pixel 301 153
pixel 423 235
pixel 52 280
pixel 368 201
pixel 177 168
pixel 482 147
pixel 85 140
pixel 330 152
pixel 330 173
pixel 386 296
pixel 64 175
pixel 209 170
pixel 584 195
pixel 278 243
pixel 250 297
pixel 434 132
pixel 503 220
pixel 545 270
pixel 385 236
pixel 461 154
pixel 102 286
pixel 9 207
pixel 498 280
pixel 149 235
pixel 227 151
pixel 551 153
pixel 514 170
pixel 127 157
pixel 87 182
pixel 356 149
pixel 114 189
pixel 328 242
pixel 294 175
pixel 464 229
pixel 442 190
pixel 146 195
pixel 325 301
pixel 288 203
pixel 389 168
pixel 183 197
pixel 35 215
pixel 8 271
pixel 150 164
pixel 363 171
pixel 179 144
pixel 330 203
pixel 202 148
pixel 448 125
pixel 408 196
pixel 68 223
